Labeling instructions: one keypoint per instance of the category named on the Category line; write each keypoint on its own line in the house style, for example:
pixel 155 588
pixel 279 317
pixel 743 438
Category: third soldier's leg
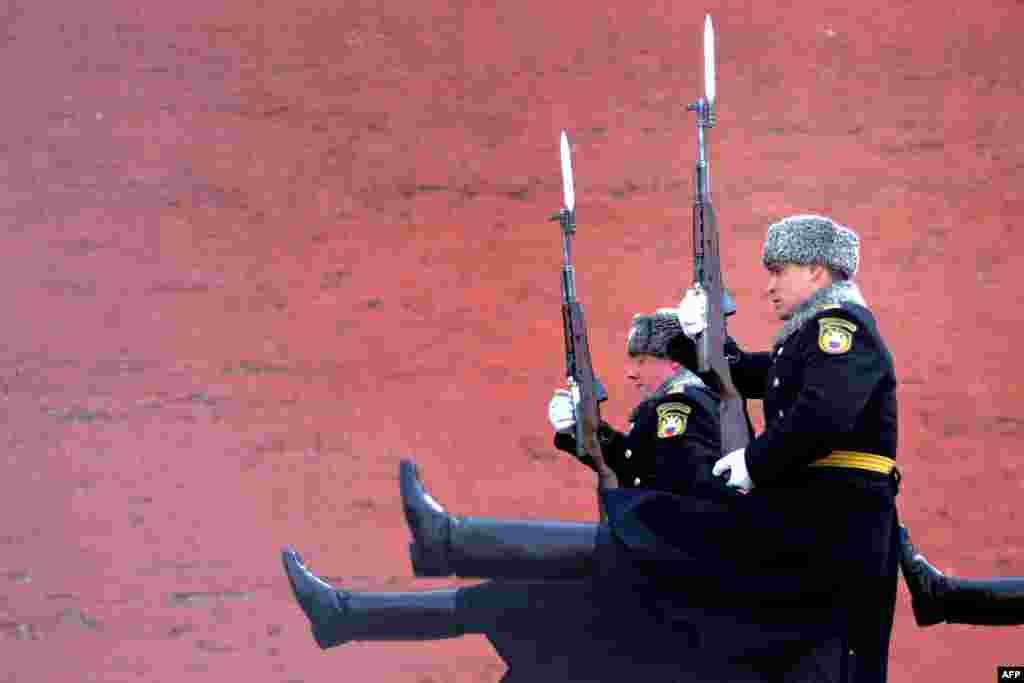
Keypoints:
pixel 937 597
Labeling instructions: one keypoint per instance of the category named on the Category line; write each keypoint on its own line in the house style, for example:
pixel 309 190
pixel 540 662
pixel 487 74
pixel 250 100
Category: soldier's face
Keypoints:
pixel 791 284
pixel 647 373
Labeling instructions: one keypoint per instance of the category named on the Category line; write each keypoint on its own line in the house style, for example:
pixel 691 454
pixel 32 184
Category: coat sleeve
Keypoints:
pixel 836 387
pixel 612 446
pixel 749 369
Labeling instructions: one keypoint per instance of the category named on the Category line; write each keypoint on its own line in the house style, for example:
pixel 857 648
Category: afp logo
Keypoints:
pixel 1010 673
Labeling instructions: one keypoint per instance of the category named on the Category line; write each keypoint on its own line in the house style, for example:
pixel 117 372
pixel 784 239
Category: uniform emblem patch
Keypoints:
pixel 672 419
pixel 835 335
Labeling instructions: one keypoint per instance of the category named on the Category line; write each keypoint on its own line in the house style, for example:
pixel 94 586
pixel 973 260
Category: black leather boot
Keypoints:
pixel 928 586
pixel 444 545
pixel 985 602
pixel 339 616
pixel 937 597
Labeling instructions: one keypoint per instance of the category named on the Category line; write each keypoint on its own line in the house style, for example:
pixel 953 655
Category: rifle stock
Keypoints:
pixel 711 343
pixel 586 392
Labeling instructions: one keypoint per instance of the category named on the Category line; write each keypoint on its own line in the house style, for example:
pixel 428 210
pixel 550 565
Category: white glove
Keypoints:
pixel 693 311
pixel 736 465
pixel 560 411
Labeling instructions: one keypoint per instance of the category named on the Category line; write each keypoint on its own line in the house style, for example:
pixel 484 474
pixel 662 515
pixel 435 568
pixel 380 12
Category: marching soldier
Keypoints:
pixel 829 393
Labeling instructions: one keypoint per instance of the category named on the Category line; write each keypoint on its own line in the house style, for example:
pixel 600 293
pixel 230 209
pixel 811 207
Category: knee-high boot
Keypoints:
pixel 936 597
pixel 444 544
pixel 339 616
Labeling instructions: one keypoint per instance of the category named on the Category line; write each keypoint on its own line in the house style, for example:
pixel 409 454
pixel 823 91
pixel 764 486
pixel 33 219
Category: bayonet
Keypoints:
pixel 568 194
pixel 585 389
pixel 707 266
pixel 709 60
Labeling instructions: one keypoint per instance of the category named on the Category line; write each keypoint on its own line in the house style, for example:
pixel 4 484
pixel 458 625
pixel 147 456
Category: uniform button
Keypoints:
pixel 776 382
pixel 629 453
pixel 779 352
pixel 781 414
pixel 636 482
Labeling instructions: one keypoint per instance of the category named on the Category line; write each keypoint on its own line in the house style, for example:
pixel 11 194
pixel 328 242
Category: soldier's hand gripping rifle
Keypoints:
pixel 584 387
pixel 707 268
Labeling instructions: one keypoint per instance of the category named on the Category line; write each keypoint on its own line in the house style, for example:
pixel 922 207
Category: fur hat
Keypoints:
pixel 661 335
pixel 810 239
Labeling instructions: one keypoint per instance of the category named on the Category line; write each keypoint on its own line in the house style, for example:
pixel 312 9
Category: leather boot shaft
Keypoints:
pixel 482 547
pixel 339 616
pixel 927 585
pixel 985 602
pixel 521 549
pixel 424 615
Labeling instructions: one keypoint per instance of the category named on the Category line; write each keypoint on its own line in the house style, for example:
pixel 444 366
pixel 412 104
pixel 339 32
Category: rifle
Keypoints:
pixel 585 389
pixel 707 268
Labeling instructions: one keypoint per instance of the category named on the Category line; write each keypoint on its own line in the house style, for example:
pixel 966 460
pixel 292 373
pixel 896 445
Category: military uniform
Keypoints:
pixel 829 386
pixel 673 439
pixel 829 392
pixel 824 466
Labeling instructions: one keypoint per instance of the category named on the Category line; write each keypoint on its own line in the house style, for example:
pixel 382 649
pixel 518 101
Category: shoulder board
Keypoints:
pixel 846 311
pixel 677 387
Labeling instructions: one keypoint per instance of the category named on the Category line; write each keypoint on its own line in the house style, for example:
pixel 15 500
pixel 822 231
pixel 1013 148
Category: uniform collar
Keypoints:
pixel 675 384
pixel 836 294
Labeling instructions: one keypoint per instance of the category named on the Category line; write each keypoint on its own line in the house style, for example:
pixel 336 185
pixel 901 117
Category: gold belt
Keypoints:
pixel 857 461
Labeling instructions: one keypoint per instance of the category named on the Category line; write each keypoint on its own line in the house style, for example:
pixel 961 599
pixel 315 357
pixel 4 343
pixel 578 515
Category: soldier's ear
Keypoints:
pixel 821 274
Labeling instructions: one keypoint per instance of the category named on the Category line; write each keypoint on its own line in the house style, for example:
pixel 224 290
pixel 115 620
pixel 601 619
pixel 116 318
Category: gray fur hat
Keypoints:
pixel 810 239
pixel 651 334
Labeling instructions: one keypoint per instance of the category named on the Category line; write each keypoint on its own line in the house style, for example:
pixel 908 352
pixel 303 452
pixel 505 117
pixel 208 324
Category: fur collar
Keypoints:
pixel 836 294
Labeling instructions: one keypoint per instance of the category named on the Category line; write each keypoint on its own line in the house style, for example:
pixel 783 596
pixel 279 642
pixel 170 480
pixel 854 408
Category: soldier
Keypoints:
pixel 674 402
pixel 829 443
pixel 938 598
